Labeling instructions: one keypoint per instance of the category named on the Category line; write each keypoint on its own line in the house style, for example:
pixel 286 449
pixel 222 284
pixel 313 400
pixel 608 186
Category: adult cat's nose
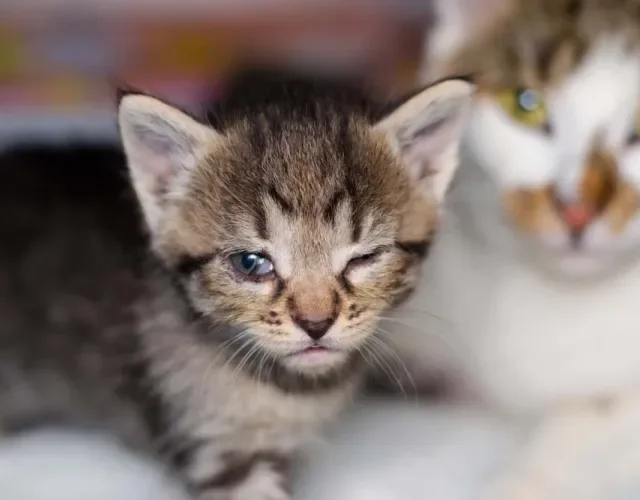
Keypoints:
pixel 314 326
pixel 577 216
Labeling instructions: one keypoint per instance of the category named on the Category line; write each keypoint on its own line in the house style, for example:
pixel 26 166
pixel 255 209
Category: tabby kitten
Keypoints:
pixel 278 233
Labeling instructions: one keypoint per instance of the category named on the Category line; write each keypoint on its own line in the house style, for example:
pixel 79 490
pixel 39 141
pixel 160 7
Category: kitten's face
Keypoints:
pixel 557 131
pixel 298 233
pixel 309 241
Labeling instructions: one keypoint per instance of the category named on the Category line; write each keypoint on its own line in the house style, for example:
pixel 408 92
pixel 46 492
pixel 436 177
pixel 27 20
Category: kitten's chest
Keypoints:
pixel 525 341
pixel 253 415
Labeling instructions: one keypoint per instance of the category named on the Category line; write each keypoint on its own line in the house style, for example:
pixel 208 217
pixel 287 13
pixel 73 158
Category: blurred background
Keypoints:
pixel 59 59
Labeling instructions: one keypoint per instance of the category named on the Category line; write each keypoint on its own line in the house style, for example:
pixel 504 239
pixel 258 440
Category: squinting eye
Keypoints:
pixel 363 260
pixel 253 266
pixel 525 106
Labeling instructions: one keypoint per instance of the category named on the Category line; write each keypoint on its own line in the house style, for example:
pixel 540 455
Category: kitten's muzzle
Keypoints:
pixel 315 309
pixel 314 327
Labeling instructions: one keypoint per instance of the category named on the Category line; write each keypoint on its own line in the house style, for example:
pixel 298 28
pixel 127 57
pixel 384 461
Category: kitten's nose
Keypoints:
pixel 314 326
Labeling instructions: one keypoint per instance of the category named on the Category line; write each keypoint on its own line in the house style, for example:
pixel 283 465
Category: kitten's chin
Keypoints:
pixel 316 361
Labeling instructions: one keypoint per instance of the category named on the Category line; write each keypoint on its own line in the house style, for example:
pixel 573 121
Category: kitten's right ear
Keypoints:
pixel 162 145
pixel 425 132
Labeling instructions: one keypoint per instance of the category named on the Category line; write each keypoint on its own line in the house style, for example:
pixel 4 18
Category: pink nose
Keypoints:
pixel 577 216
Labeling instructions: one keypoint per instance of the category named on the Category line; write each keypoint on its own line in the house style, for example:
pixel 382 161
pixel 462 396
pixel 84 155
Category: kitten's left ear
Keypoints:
pixel 425 132
pixel 163 146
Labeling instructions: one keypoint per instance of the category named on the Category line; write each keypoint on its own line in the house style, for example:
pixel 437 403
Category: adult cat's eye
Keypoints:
pixel 526 106
pixel 251 265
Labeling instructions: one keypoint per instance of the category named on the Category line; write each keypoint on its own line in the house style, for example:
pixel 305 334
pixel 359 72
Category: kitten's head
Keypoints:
pixel 555 125
pixel 297 215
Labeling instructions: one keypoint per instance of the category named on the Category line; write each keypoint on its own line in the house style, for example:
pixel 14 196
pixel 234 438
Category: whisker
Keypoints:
pixel 220 349
pixel 384 366
pixel 245 360
pixel 244 345
pixel 416 329
pixel 424 312
pixel 263 359
pixel 396 358
pixel 406 345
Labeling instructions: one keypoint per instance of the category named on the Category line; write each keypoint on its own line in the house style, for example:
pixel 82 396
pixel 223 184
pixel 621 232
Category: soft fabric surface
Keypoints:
pixel 380 452
pixel 59 465
pixel 406 450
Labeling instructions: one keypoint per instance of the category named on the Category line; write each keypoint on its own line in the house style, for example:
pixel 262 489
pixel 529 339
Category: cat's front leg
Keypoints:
pixel 263 475
pixel 588 451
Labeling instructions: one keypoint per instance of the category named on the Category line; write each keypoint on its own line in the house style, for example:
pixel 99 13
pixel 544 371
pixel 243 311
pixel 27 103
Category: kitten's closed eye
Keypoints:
pixel 365 258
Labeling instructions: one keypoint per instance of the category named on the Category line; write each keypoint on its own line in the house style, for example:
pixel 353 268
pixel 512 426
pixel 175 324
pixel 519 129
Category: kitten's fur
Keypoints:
pixel 526 317
pixel 177 349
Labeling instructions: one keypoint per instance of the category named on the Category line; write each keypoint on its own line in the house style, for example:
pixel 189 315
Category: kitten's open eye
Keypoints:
pixel 252 266
pixel 526 106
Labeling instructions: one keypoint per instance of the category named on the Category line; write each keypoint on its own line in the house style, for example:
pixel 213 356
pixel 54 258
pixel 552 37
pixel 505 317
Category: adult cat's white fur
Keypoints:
pixel 529 324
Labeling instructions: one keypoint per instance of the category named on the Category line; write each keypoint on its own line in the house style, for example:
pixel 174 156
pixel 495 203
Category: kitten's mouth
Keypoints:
pixel 315 348
pixel 311 350
pixel 316 355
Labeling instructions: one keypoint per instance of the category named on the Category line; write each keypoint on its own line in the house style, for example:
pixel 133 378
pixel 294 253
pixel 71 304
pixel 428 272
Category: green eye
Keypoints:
pixel 526 106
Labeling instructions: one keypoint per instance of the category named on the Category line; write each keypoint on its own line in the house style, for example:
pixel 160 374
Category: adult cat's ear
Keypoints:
pixel 425 132
pixel 162 145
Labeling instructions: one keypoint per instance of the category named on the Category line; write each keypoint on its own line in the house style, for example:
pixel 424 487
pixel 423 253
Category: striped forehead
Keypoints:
pixel 323 242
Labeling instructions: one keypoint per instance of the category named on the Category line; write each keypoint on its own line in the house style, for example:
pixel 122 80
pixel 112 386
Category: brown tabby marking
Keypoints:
pixel 532 210
pixel 537 43
pixel 598 186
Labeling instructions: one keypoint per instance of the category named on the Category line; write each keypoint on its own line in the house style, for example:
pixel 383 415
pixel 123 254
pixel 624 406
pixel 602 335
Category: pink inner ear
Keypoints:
pixel 154 170
pixel 163 176
pixel 423 155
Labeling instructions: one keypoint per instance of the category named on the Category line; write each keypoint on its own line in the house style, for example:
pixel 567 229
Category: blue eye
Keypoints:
pixel 252 265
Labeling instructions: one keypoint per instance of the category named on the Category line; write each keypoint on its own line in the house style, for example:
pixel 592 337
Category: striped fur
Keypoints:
pixel 174 347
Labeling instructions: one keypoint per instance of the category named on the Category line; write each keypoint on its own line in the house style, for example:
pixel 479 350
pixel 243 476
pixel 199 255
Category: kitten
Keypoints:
pixel 534 276
pixel 224 328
